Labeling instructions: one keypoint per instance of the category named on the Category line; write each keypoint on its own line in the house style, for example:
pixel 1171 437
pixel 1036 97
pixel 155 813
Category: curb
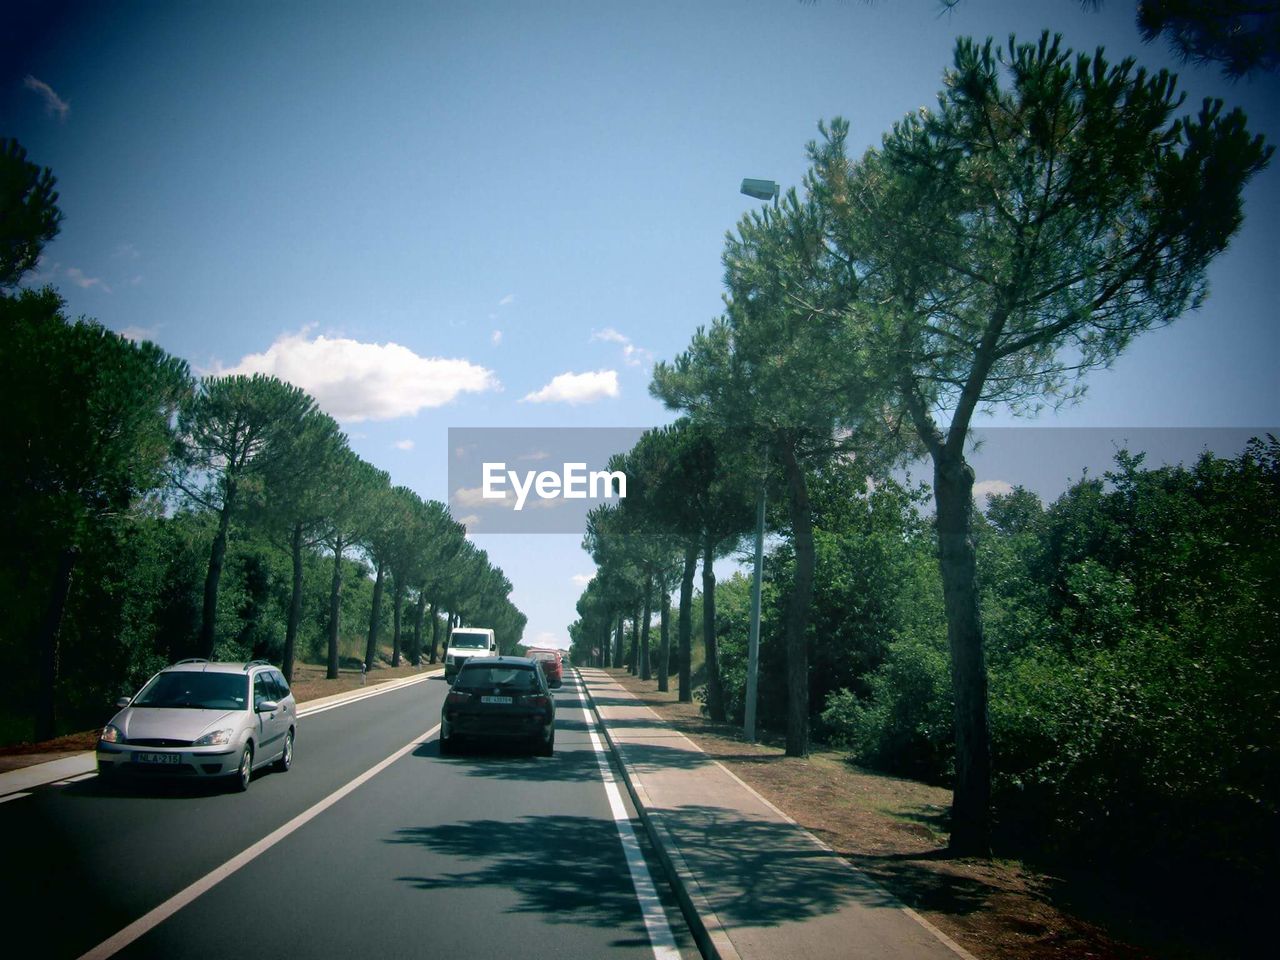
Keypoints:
pixel 709 934
pixel 707 930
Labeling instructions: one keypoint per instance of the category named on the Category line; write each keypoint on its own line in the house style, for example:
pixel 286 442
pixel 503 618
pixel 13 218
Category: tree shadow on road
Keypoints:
pixel 566 870
pixel 570 763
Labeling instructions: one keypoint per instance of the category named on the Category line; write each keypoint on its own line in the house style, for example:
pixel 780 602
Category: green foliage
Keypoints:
pixel 1135 679
pixel 29 214
pixel 100 587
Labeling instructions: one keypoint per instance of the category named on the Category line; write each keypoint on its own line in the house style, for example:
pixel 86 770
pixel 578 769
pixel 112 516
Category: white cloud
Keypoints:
pixel 53 104
pixel 469 521
pixel 609 335
pixel 506 301
pixel 577 388
pixel 633 356
pixel 357 381
pixel 534 455
pixel 636 356
pixel 85 282
pixel 474 497
pixel 139 333
pixel 496 337
pixel 582 579
pixel 983 490
pixel 404 444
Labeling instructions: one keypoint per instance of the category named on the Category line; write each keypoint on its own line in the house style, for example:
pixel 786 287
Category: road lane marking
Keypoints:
pixel 651 910
pixel 175 903
pixel 13 796
pixel 365 695
pixel 70 780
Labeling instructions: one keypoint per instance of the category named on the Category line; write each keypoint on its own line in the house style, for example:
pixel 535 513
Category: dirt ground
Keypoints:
pixel 309 683
pixel 894 830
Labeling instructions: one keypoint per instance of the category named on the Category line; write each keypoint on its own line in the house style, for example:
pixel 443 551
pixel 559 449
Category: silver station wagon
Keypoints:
pixel 203 719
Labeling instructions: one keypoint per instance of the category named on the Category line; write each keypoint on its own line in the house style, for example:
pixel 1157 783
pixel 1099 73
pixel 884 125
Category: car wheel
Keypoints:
pixel 446 746
pixel 240 782
pixel 286 756
pixel 547 747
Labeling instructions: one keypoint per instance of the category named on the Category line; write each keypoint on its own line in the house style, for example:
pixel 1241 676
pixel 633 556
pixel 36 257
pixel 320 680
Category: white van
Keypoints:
pixel 464 643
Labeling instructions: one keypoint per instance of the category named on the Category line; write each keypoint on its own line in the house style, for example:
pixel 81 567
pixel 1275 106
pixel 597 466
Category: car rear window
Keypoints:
pixel 545 655
pixel 195 689
pixel 519 676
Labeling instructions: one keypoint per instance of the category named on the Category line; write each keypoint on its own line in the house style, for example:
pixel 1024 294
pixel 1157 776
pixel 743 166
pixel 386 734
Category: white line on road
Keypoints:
pixel 70 780
pixel 175 903
pixel 13 796
pixel 380 689
pixel 655 917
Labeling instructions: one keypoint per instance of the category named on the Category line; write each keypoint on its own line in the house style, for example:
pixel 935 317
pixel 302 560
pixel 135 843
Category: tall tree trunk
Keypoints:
pixel 684 628
pixel 295 604
pixel 664 642
pixel 606 636
pixel 335 609
pixel 435 630
pixel 798 609
pixel 47 644
pixel 375 617
pixel 397 599
pixel 209 613
pixel 644 628
pixel 715 694
pixel 419 617
pixel 619 640
pixel 633 653
pixel 970 806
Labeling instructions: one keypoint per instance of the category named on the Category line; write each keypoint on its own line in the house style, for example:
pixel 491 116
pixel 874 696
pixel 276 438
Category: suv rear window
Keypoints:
pixel 519 676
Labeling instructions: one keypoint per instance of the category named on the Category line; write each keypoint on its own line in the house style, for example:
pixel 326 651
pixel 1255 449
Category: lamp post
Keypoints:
pixel 760 190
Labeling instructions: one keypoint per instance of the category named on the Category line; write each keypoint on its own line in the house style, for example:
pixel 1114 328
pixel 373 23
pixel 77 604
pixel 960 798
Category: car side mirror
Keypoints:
pixel 123 702
pixel 269 706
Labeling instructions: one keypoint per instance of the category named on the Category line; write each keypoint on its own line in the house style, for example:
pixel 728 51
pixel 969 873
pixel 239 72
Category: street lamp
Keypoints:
pixel 760 190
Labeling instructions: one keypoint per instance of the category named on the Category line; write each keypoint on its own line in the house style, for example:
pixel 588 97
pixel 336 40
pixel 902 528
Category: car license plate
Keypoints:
pixel 158 757
pixel 495 699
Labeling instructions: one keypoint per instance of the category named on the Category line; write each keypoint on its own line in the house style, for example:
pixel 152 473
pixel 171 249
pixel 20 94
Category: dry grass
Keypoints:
pixel 309 683
pixel 895 831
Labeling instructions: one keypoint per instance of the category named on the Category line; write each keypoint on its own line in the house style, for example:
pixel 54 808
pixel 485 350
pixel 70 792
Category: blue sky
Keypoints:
pixel 426 213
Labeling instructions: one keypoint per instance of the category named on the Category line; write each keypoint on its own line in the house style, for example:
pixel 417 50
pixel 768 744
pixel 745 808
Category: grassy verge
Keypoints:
pixel 309 683
pixel 895 830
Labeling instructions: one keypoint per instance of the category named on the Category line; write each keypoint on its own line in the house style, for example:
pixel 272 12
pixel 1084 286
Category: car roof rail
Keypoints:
pixel 257 663
pixel 192 660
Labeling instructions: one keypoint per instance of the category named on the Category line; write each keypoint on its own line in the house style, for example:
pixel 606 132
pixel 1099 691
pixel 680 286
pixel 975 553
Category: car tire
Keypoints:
pixel 286 755
pixel 447 749
pixel 244 773
pixel 547 748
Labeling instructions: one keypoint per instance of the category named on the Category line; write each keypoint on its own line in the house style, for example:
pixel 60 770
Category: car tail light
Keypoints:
pixel 537 700
pixel 457 697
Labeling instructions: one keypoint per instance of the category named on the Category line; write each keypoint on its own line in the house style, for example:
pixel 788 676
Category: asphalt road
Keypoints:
pixel 489 854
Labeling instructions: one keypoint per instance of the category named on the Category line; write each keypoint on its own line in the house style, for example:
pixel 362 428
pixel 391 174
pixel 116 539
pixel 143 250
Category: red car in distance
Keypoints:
pixel 551 665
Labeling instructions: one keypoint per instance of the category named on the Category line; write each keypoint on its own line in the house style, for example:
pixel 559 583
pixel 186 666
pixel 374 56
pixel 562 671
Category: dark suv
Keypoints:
pixel 499 698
